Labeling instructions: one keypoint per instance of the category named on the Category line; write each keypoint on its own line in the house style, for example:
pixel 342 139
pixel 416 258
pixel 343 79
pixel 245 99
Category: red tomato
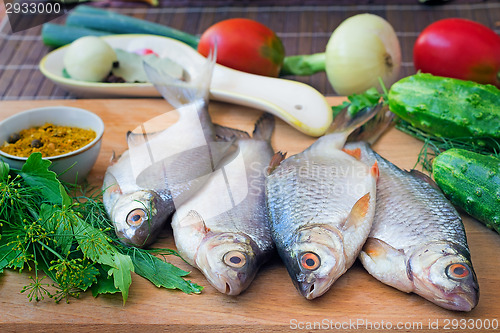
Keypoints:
pixel 461 49
pixel 245 45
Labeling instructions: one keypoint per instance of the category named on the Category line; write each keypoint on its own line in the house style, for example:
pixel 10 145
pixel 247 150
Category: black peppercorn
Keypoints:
pixel 13 138
pixel 36 143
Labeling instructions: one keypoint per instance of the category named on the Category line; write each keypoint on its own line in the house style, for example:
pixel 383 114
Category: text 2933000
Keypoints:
pixel 33 8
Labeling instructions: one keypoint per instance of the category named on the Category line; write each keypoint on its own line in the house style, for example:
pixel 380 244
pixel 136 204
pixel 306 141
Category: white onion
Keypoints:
pixel 363 48
pixel 89 59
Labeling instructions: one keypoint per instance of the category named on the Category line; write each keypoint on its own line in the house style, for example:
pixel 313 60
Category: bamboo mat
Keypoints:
pixel 303 26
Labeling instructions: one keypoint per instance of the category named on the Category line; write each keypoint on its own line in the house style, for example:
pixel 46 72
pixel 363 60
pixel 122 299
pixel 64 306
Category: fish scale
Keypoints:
pixel 425 213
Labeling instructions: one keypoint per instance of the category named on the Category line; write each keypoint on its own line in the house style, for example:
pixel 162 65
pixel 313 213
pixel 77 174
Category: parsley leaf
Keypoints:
pixel 357 102
pixel 36 174
pixel 161 273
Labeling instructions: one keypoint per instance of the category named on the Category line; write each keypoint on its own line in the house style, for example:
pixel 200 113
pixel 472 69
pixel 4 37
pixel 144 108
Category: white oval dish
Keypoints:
pixel 73 166
pixel 298 104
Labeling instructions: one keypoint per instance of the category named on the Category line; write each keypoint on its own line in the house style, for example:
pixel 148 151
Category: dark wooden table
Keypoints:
pixel 303 26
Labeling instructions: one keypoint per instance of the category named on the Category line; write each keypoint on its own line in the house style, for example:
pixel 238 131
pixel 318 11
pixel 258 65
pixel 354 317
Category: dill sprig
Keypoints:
pixel 434 145
pixel 69 239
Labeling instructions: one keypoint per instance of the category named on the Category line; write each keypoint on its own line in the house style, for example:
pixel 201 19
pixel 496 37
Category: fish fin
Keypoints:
pixel 113 159
pixel 374 170
pixel 140 134
pixel 264 127
pixel 373 129
pixel 356 153
pixel 114 188
pixel 344 122
pixel 376 248
pixel 276 160
pixel 194 220
pixel 386 263
pixel 224 133
pixel 110 188
pixel 136 139
pixel 422 176
pixel 358 212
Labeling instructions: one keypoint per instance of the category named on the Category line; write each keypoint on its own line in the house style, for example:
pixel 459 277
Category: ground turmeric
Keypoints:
pixel 50 140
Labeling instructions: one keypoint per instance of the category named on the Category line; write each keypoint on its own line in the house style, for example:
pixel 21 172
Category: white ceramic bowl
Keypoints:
pixel 73 166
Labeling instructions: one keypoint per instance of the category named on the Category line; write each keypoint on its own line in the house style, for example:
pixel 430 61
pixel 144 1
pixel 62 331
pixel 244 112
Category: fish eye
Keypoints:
pixel 457 271
pixel 136 217
pixel 310 261
pixel 235 259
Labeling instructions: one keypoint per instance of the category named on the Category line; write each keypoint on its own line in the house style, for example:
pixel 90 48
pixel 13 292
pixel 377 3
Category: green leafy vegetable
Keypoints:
pixel 357 102
pixel 161 273
pixel 4 171
pixel 69 240
pixel 37 175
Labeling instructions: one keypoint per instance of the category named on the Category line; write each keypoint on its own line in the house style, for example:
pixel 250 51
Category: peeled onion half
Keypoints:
pixel 363 48
pixel 89 58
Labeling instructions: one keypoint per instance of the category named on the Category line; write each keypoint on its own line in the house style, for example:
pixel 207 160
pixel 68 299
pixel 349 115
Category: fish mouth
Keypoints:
pixel 225 285
pixel 464 298
pixel 460 301
pixel 314 289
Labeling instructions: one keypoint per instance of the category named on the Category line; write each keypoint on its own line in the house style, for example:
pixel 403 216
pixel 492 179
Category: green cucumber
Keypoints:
pixel 471 181
pixel 55 35
pixel 122 24
pixel 446 107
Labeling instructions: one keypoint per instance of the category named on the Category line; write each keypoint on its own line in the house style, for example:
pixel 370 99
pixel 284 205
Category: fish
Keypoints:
pixel 164 165
pixel 418 242
pixel 321 204
pixel 223 230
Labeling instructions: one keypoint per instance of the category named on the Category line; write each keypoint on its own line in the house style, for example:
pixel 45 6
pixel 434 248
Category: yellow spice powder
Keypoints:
pixel 49 139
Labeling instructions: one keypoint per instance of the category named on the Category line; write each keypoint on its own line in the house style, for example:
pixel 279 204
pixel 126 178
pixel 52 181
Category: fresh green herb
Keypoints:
pixel 356 102
pixel 434 145
pixel 69 239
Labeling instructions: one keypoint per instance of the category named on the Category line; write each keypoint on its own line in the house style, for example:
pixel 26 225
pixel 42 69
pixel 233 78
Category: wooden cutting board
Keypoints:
pixel 356 302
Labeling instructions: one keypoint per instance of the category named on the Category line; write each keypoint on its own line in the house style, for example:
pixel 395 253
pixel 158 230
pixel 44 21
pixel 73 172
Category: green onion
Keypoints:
pixel 99 19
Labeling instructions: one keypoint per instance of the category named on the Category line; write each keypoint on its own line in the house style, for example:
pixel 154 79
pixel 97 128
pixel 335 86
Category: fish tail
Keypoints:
pixel 178 92
pixel 373 129
pixel 344 122
pixel 264 127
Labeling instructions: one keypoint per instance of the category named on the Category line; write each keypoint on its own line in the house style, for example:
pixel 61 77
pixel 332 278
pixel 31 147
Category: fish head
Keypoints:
pixel 229 261
pixel 138 216
pixel 442 273
pixel 315 260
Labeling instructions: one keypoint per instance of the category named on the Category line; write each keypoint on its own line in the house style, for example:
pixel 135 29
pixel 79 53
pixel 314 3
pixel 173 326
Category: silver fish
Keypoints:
pixel 417 242
pixel 321 204
pixel 162 168
pixel 223 229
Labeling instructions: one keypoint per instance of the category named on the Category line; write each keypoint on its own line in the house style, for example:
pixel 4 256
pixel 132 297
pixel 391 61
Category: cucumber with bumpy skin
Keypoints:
pixel 446 107
pixel 471 181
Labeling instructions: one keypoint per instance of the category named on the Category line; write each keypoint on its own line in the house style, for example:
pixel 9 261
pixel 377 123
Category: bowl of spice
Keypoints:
pixel 69 137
